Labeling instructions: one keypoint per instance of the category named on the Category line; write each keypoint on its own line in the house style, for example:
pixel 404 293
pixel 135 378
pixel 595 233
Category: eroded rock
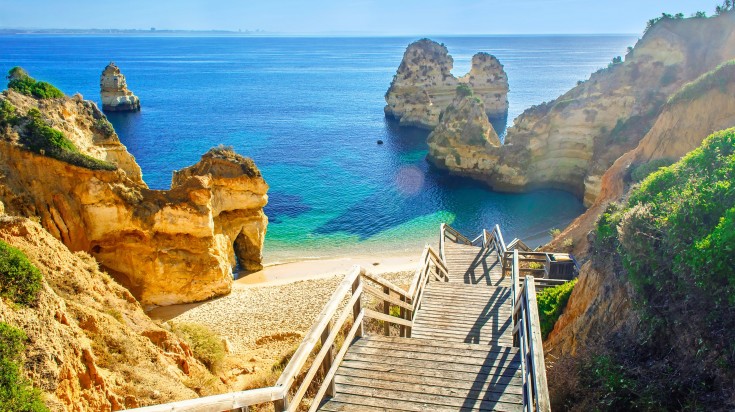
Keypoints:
pixel 424 85
pixel 114 91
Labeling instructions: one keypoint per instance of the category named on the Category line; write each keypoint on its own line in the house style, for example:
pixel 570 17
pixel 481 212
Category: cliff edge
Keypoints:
pixel 62 164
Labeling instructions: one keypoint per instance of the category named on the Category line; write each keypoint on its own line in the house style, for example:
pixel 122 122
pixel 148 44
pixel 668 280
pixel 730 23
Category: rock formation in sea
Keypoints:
pixel 166 246
pixel 90 346
pixel 114 91
pixel 570 142
pixel 463 132
pixel 424 85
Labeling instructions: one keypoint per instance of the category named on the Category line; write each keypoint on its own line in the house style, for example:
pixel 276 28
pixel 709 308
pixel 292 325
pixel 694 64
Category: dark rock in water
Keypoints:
pixel 380 142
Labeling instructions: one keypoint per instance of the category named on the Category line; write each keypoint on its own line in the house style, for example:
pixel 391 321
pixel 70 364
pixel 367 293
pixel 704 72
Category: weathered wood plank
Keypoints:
pixel 477 392
pixel 493 359
pixel 435 365
pixel 498 376
pixel 463 346
pixel 432 402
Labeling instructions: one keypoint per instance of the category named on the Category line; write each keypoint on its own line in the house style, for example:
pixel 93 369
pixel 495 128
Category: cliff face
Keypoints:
pixel 114 91
pixel 570 142
pixel 463 132
pixel 167 246
pixel 91 347
pixel 424 85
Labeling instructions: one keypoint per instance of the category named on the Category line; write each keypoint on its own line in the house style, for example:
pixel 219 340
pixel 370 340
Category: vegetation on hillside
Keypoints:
pixel 719 78
pixel 20 280
pixel 21 82
pixel 673 241
pixel 16 392
pixel 39 137
pixel 205 344
pixel 643 170
pixel 551 304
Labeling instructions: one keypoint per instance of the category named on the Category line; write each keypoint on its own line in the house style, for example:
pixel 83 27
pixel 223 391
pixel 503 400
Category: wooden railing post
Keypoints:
pixel 386 310
pixel 327 362
pixel 281 405
pixel 403 316
pixel 357 308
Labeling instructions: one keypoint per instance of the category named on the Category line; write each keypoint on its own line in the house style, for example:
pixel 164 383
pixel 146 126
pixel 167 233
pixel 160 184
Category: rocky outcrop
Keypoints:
pixel 463 132
pixel 114 90
pixel 90 346
pixel 168 247
pixel 424 85
pixel 693 113
pixel 570 142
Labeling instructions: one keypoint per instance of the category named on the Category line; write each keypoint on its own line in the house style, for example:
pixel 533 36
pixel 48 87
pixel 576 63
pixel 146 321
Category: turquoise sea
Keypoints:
pixel 309 112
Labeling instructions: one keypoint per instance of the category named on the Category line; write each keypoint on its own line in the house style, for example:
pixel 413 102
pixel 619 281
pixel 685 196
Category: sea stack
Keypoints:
pixel 114 91
pixel 464 140
pixel 424 85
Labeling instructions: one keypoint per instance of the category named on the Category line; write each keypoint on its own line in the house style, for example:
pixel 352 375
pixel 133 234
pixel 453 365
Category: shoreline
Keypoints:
pixel 319 268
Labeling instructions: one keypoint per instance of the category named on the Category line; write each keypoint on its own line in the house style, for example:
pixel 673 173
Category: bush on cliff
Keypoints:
pixel 674 240
pixel 16 392
pixel 464 90
pixel 551 304
pixel 7 114
pixel 21 82
pixel 643 170
pixel 41 138
pixel 205 344
pixel 20 280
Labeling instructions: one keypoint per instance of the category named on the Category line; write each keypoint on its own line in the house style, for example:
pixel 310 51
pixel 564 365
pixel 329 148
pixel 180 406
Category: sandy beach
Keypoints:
pixel 268 312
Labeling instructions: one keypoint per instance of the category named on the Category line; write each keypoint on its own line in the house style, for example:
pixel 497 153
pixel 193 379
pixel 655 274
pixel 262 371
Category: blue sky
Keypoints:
pixel 378 17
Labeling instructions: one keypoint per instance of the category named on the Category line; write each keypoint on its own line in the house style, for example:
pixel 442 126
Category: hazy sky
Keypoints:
pixel 406 17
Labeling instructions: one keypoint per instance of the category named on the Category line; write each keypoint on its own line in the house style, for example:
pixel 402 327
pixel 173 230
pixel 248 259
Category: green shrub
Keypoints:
pixel 613 389
pixel 643 170
pixel 718 78
pixel 41 138
pixel 7 113
pixel 20 281
pixel 205 344
pixel 464 90
pixel 20 81
pixel 551 304
pixel 554 232
pixel 16 393
pixel 104 127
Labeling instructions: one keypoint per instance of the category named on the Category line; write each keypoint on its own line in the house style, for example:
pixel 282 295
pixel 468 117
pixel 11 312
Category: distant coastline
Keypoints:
pixel 138 32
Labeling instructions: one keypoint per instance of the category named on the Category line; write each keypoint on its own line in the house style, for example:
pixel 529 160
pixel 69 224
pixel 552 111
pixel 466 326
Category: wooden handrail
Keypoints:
pixel 224 402
pixel 527 336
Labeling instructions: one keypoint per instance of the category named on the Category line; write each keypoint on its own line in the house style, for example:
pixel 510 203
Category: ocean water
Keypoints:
pixel 309 112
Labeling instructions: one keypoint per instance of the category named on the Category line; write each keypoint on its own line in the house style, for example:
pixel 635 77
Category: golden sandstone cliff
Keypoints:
pixel 167 247
pixel 570 142
pixel 90 346
pixel 424 85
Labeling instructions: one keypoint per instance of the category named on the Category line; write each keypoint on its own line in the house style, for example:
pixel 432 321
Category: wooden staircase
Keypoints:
pixel 469 341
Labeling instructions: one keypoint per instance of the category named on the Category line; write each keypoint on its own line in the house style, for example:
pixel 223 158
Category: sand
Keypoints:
pixel 268 313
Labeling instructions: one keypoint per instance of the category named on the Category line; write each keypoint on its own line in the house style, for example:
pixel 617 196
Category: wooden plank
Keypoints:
pixel 499 376
pixel 384 283
pixel 492 360
pixel 222 402
pixel 432 402
pixel 382 296
pixel 435 365
pixel 399 404
pixel 478 392
pixel 509 385
pixel 336 406
pixel 462 346
pixel 418 275
pixel 476 338
pixel 424 346
pixel 386 318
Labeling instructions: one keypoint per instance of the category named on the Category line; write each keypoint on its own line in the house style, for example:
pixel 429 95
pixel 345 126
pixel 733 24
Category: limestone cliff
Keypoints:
pixel 463 131
pixel 169 246
pixel 424 85
pixel 90 345
pixel 570 142
pixel 601 303
pixel 114 91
